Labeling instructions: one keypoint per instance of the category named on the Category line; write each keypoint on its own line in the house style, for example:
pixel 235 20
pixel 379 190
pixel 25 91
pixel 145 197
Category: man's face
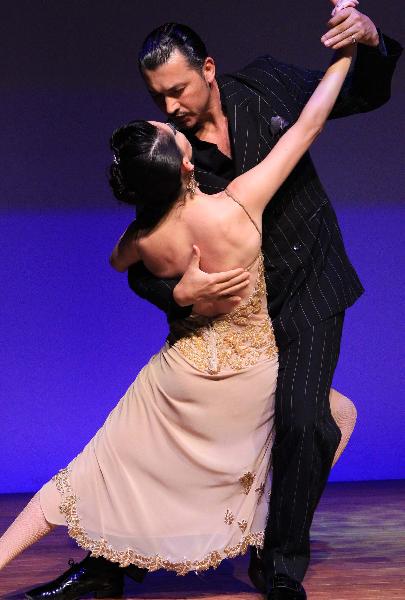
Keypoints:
pixel 181 91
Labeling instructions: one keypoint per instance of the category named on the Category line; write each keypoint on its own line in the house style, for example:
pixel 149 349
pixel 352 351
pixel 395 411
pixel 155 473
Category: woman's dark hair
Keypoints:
pixel 164 40
pixel 146 170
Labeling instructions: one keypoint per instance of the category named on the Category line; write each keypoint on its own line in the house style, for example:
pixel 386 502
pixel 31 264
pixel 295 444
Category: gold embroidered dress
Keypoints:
pixel 177 477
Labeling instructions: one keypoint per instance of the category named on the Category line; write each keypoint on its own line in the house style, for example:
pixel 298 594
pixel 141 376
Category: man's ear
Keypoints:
pixel 209 70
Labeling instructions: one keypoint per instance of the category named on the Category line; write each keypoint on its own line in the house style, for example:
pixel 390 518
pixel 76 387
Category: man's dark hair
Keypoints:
pixel 164 40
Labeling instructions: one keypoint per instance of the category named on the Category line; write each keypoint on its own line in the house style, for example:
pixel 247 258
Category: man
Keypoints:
pixel 232 122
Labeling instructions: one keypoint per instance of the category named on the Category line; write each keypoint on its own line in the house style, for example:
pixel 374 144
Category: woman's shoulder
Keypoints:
pixel 215 205
pixel 222 218
pixel 209 208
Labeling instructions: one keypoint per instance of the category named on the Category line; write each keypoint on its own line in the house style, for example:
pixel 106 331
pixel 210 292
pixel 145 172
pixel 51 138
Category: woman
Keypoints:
pixel 177 478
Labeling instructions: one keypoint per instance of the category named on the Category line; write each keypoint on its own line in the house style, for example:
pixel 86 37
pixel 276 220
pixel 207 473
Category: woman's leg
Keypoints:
pixel 29 527
pixel 344 414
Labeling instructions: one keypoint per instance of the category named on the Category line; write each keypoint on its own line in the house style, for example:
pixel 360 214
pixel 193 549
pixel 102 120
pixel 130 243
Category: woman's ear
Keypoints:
pixel 186 165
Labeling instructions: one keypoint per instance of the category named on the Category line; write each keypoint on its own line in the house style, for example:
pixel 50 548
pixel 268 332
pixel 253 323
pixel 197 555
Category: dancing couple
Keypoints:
pixel 226 438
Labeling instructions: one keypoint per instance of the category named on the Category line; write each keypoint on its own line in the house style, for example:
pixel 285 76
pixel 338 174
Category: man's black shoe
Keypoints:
pixel 282 587
pixel 256 570
pixel 95 576
pixel 135 573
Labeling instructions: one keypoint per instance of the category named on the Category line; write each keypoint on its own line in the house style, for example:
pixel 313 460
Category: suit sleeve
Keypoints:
pixel 157 291
pixel 367 86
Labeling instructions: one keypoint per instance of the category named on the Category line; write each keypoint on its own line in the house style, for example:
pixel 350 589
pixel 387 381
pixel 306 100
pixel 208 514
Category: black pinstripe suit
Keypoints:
pixel 310 280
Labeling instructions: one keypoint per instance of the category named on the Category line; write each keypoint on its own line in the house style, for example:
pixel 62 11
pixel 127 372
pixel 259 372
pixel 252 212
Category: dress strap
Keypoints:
pixel 243 207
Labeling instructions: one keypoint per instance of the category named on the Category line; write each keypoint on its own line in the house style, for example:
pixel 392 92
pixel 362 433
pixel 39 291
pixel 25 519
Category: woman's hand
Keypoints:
pixel 341 4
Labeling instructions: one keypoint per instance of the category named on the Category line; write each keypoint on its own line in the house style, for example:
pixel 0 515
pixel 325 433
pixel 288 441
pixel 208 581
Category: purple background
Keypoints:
pixel 73 335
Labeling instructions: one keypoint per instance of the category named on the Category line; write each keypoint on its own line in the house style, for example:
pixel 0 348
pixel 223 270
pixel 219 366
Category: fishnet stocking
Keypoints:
pixel 344 413
pixel 29 527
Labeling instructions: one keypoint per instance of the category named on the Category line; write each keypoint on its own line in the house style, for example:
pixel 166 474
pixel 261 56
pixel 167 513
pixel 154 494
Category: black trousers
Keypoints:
pixel 305 444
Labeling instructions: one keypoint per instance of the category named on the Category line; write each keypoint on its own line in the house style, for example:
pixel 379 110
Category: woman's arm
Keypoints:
pixel 257 186
pixel 125 251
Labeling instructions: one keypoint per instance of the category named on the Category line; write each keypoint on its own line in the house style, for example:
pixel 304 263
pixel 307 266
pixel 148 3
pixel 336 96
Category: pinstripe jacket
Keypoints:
pixel 309 276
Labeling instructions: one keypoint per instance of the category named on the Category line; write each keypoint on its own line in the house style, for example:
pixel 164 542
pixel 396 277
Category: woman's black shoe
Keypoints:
pixel 95 576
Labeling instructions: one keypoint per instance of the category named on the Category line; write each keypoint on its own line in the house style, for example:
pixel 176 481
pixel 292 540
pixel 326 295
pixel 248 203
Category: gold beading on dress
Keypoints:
pixel 101 547
pixel 246 481
pixel 233 341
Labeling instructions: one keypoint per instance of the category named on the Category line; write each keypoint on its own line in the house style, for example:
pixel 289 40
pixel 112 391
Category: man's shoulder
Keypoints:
pixel 257 77
pixel 258 69
pixel 265 61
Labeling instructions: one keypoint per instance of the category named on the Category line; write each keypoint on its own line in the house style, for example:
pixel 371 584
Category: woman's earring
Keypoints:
pixel 191 184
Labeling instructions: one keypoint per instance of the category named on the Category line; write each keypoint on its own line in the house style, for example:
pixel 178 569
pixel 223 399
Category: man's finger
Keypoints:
pixel 341 16
pixel 242 278
pixel 339 29
pixel 233 301
pixel 346 42
pixel 346 35
pixel 194 262
pixel 341 26
pixel 227 276
pixel 196 253
pixel 235 288
pixel 345 39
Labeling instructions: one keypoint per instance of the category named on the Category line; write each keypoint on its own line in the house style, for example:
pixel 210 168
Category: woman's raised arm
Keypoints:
pixel 256 187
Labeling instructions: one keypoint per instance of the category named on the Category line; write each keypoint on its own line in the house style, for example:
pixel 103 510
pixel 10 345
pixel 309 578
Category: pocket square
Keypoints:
pixel 277 124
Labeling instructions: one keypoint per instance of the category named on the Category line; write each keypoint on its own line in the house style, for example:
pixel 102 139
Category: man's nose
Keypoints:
pixel 171 105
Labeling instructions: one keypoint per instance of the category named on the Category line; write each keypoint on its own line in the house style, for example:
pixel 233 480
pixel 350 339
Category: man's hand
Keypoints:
pixel 349 26
pixel 197 286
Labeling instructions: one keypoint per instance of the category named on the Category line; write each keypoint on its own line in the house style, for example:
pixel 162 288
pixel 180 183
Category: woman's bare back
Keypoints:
pixel 218 225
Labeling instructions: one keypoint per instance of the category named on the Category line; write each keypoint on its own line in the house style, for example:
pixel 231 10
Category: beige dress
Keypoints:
pixel 177 477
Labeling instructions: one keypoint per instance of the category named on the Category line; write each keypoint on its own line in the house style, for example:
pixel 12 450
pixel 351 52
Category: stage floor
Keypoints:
pixel 358 553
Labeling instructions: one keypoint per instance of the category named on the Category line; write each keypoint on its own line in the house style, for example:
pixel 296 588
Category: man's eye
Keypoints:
pixel 178 91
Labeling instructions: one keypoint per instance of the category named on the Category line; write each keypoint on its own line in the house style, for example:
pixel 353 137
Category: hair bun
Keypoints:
pixel 146 170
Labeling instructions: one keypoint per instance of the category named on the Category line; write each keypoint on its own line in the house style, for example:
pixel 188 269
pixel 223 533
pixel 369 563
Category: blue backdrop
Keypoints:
pixel 73 335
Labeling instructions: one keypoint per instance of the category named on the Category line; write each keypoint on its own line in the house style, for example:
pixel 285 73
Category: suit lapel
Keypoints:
pixel 244 126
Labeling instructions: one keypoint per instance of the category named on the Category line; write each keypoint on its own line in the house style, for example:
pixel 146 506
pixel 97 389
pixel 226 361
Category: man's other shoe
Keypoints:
pixel 282 587
pixel 256 570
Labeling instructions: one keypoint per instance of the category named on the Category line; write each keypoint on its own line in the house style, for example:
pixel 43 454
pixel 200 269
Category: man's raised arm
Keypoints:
pixel 367 87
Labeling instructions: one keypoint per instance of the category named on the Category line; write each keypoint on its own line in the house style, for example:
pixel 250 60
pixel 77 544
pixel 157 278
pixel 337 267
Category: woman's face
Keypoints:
pixel 182 142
